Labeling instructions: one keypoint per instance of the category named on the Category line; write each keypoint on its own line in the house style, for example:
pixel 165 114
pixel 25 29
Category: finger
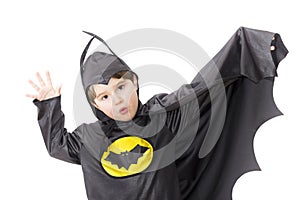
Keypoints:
pixel 31 96
pixel 42 83
pixel 34 85
pixel 48 78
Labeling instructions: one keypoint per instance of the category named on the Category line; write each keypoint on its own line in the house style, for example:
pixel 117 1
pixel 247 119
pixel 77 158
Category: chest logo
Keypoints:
pixel 127 156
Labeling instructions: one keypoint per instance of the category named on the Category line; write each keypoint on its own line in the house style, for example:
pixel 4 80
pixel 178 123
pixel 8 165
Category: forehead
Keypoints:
pixel 113 82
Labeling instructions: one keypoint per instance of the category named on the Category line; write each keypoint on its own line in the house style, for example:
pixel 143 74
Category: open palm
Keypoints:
pixel 44 90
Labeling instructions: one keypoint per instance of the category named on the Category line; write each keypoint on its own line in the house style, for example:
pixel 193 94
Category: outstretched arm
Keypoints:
pixel 60 143
pixel 221 147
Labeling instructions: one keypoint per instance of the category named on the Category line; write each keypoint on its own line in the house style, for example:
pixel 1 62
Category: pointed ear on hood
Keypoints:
pixel 99 63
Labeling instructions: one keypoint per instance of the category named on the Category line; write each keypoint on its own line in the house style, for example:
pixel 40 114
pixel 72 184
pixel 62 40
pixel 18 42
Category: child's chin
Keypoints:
pixel 123 118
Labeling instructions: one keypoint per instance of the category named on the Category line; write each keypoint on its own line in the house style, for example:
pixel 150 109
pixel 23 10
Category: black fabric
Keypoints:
pixel 192 158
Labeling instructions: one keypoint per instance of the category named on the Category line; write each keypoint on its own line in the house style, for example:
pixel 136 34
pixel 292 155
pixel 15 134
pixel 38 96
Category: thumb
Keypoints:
pixel 58 88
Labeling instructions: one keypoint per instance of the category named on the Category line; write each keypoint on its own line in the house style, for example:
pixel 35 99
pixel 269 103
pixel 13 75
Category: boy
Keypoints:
pixel 161 149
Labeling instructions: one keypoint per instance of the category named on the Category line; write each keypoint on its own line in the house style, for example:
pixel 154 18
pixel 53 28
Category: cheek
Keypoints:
pixel 133 100
pixel 105 107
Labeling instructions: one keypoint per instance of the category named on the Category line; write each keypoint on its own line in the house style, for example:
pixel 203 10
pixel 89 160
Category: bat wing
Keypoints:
pixel 117 159
pixel 132 157
pixel 139 149
pixel 222 160
pixel 211 164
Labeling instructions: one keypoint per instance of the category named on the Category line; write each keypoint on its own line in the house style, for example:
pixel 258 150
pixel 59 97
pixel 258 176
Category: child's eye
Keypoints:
pixel 103 98
pixel 120 87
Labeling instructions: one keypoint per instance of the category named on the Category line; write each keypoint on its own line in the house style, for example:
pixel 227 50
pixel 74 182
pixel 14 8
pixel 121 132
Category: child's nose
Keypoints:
pixel 117 99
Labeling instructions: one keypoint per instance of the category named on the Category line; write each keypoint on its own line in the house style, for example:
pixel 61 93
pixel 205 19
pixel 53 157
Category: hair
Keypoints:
pixel 125 74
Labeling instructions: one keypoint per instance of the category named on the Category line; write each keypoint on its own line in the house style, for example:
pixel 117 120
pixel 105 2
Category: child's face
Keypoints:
pixel 118 99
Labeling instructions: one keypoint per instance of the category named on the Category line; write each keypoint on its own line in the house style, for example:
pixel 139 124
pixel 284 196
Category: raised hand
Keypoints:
pixel 44 90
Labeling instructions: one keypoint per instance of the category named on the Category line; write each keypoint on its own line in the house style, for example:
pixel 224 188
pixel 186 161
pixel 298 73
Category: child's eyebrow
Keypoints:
pixel 118 83
pixel 114 86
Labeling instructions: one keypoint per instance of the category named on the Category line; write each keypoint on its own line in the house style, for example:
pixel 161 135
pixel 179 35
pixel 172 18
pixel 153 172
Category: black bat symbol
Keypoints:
pixel 126 158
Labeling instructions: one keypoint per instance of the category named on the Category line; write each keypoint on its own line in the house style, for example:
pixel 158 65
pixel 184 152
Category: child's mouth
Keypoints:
pixel 123 111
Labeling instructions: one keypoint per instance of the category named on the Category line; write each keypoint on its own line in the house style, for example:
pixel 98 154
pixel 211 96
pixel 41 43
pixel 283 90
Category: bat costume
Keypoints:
pixel 193 143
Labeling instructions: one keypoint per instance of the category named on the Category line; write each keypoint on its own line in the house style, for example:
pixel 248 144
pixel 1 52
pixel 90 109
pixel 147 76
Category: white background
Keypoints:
pixel 40 35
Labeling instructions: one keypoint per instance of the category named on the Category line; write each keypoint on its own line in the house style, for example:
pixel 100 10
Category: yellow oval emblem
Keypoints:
pixel 127 156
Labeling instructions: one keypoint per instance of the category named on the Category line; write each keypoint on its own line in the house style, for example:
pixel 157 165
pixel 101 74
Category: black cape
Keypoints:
pixel 193 143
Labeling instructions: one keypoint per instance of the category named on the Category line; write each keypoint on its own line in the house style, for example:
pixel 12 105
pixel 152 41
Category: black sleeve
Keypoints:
pixel 215 130
pixel 247 54
pixel 60 143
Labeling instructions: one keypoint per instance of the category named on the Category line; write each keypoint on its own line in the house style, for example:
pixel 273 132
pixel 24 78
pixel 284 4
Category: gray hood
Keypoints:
pixel 98 68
